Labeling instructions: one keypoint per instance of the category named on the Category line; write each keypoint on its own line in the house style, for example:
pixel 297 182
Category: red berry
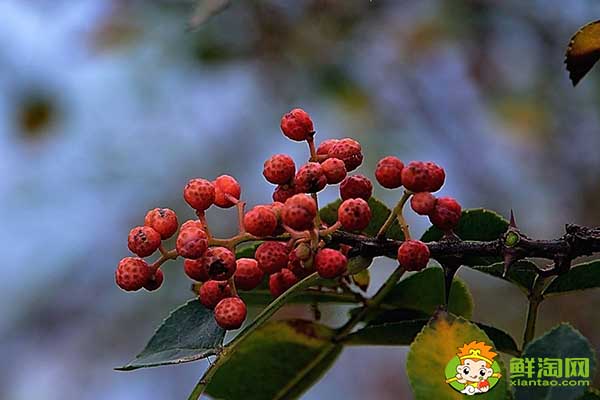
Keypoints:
pixel 446 213
pixel 199 194
pixel 191 223
pixel 212 292
pixel 334 170
pixel 423 203
pixel 330 263
pixel 163 221
pixel 416 177
pixel 354 214
pixel 279 169
pixel 299 212
pixel 155 281
pixel 226 187
pixel 388 172
pixel 195 270
pixel 191 242
pixel 283 192
pixel 272 256
pixel 437 176
pixel 143 240
pixel 356 187
pixel 413 255
pixel 281 281
pixel 230 313
pixel 132 273
pixel 260 221
pixel 247 275
pixel 349 151
pixel 219 263
pixel 310 178
pixel 297 125
pixel 325 146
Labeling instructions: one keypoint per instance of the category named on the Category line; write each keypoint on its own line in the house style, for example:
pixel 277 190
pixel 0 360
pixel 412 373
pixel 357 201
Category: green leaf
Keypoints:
pixel 591 394
pixel 423 292
pixel 580 277
pixel 189 333
pixel 522 273
pixel 362 279
pixel 379 213
pixel 389 334
pixel 561 342
pixel 404 332
pixel 279 360
pixel 475 224
pixel 247 250
pixel 435 348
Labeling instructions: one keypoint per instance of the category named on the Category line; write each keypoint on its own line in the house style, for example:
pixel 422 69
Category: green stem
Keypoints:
pixel 535 299
pixel 396 214
pixel 260 319
pixel 374 302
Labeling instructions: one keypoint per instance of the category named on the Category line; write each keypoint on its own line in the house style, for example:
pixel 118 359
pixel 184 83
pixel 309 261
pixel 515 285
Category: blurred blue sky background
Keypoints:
pixel 107 108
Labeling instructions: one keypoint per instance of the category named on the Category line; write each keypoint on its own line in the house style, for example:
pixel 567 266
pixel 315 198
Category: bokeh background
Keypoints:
pixel 107 108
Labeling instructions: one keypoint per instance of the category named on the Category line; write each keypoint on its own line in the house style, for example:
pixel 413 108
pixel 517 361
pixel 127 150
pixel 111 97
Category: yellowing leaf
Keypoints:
pixel 583 51
pixel 433 350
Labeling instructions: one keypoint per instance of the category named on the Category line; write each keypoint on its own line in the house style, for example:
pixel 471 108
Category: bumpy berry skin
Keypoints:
pixel 437 176
pixel 195 270
pixel 191 223
pixel 163 221
pixel 226 185
pixel 283 192
pixel 271 256
pixel 388 172
pixel 416 177
pixel 199 194
pixel 356 187
pixel 354 214
pixel 155 281
pixel 281 281
pixel 212 292
pixel 446 213
pixel 299 212
pixel 413 255
pixel 132 273
pixel 248 274
pixel 219 263
pixel 310 178
pixel 297 125
pixel 191 242
pixel 279 169
pixel 423 203
pixel 260 221
pixel 334 170
pixel 330 263
pixel 325 146
pixel 143 240
pixel 230 313
pixel 349 151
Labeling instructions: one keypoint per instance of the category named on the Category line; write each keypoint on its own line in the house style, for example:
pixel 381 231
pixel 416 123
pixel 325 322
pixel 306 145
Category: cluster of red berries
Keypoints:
pixel 420 179
pixel 289 227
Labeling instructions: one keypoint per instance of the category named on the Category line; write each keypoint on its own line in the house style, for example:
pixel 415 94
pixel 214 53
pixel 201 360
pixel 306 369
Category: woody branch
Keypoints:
pixel 577 241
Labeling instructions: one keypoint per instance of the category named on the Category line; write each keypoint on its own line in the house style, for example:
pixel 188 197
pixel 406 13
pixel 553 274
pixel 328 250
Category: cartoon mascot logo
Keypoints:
pixel 473 369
